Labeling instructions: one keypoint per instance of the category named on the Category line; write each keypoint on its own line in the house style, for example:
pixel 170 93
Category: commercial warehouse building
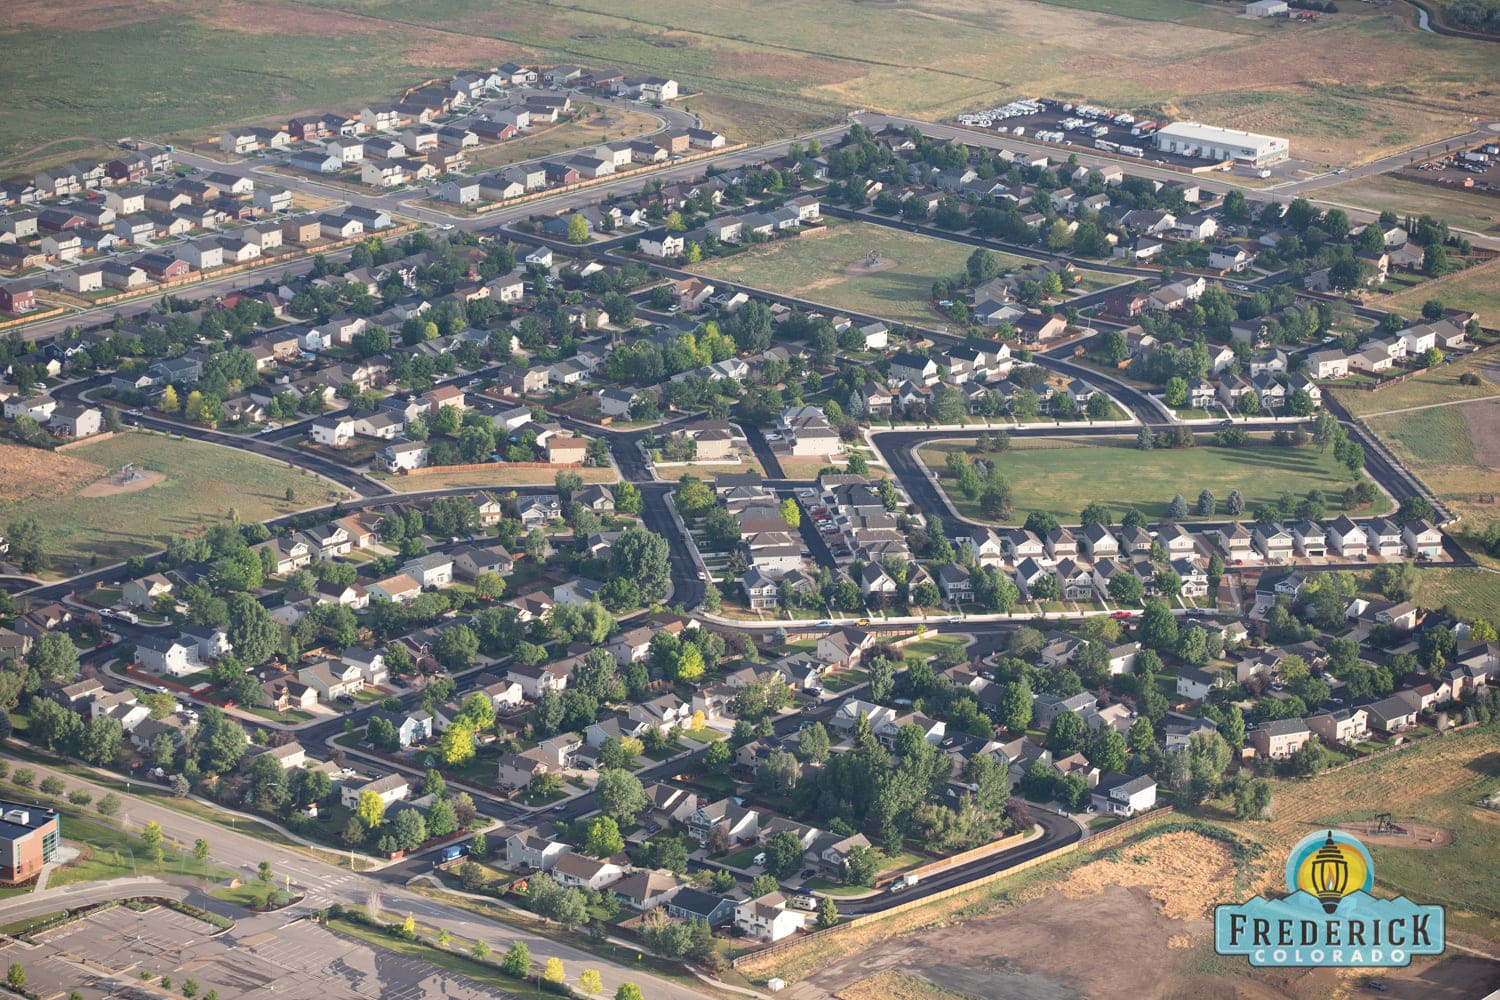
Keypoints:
pixel 28 840
pixel 1211 142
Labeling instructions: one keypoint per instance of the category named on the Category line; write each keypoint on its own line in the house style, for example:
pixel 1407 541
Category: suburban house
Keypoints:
pixel 1279 738
pixel 1123 795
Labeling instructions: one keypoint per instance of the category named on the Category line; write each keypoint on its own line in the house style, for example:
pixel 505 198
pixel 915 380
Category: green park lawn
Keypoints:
pixel 828 266
pixel 1064 476
pixel 202 483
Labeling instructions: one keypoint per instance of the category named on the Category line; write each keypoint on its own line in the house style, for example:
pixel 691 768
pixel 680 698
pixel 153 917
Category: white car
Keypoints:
pixel 772 436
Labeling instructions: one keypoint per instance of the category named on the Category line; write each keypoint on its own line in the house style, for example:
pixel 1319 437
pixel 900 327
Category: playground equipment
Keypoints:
pixel 128 474
pixel 873 259
pixel 1383 824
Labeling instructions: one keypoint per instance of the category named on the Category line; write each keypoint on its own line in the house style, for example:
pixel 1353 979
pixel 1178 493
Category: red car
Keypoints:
pixel 1120 614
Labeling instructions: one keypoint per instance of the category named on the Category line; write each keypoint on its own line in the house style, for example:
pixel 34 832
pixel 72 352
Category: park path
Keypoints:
pixel 1430 406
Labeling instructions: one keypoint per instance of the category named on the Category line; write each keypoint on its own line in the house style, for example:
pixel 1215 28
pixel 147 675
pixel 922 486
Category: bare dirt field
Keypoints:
pixel 1418 836
pixel 114 485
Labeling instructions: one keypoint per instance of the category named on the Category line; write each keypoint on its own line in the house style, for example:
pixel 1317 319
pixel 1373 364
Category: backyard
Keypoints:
pixel 1060 476
pixel 90 515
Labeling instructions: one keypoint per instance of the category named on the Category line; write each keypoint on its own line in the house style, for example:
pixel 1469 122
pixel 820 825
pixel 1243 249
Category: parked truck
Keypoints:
pixel 453 853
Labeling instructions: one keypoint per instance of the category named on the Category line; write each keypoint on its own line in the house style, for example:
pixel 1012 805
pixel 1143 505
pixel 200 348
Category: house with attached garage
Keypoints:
pixel 1123 795
pixel 1384 538
pixel 168 656
pixel 332 679
pixel 1422 539
pixel 391 788
pixel 529 850
pixel 767 918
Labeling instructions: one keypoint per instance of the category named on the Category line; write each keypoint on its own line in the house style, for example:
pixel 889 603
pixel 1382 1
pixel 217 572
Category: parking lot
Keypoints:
pixel 103 956
pixel 1114 138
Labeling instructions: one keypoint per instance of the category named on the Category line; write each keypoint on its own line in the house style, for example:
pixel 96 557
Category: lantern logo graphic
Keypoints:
pixel 1332 871
pixel 1329 917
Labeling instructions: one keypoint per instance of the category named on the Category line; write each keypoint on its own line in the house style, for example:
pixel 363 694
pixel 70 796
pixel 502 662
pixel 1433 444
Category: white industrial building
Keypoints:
pixel 1210 142
pixel 1266 8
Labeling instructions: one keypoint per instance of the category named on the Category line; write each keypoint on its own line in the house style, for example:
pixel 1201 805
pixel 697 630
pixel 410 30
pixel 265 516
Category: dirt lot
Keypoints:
pixel 29 474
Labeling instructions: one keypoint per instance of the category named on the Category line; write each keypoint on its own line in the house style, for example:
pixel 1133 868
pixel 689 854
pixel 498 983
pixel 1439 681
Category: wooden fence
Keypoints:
pixel 427 470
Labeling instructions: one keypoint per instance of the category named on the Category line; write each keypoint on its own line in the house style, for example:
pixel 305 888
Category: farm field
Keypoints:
pixel 779 67
pixel 1458 208
pixel 593 124
pixel 187 487
pixel 1477 289
pixel 1061 476
pixel 829 267
pixel 1145 899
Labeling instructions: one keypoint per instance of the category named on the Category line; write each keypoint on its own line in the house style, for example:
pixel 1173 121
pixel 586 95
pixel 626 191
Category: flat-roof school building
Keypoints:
pixel 28 839
pixel 1210 142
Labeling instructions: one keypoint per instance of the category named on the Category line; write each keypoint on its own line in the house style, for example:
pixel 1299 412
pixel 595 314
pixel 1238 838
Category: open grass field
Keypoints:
pixel 1062 478
pixel 1460 209
pixel 501 476
pixel 1477 289
pixel 1439 386
pixel 195 485
pixel 592 124
pixel 828 266
pixel 778 67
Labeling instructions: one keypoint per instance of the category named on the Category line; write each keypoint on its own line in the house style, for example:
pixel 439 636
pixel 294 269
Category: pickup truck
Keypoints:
pixel 905 882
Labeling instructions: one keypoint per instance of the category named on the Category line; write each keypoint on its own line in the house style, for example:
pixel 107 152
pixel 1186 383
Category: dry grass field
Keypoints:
pixel 1439 386
pixel 1476 289
pixel 500 476
pixel 1459 208
pixel 777 67
pixel 87 519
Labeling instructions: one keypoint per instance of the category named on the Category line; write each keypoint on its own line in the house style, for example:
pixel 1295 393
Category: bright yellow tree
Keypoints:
pixel 457 744
pixel 589 982
pixel 168 402
pixel 553 973
pixel 371 810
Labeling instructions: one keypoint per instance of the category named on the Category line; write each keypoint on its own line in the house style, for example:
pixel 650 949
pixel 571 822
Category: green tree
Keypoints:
pixel 628 991
pixel 791 513
pixel 1066 734
pixel 517 960
pixel 1158 626
pixel 620 795
pixel 603 839
pixel 54 658
pixel 828 913
pixel 15 977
